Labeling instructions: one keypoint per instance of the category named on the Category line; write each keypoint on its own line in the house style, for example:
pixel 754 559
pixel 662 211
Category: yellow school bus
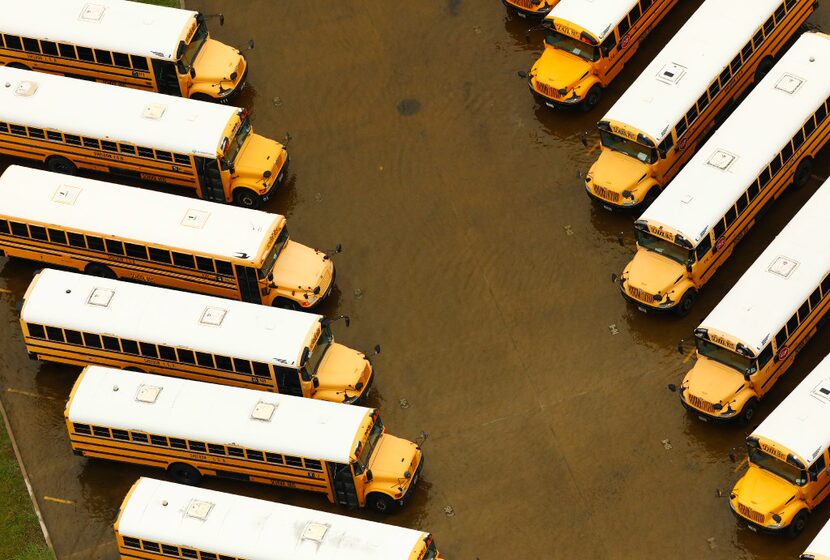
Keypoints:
pixel 71 124
pixel 80 319
pixel 531 8
pixel 752 336
pixel 789 464
pixel 113 231
pixel 121 43
pixel 765 146
pixel 658 123
pixel 587 44
pixel 193 429
pixel 158 520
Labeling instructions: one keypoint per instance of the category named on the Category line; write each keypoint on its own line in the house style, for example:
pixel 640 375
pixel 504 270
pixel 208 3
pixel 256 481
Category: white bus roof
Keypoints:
pixel 161 511
pixel 820 547
pixel 743 146
pixel 780 280
pixel 169 317
pixel 112 113
pixel 801 423
pixel 217 414
pixel 113 25
pixel 703 47
pixel 597 18
pixel 133 214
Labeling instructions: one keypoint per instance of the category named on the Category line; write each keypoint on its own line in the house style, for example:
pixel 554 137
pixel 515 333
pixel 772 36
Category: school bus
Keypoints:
pixel 765 146
pixel 71 124
pixel 788 474
pixel 751 337
pixel 159 520
pixel 587 45
pixel 531 8
pixel 657 124
pixel 79 319
pixel 113 231
pixel 121 43
pixel 819 549
pixel 194 429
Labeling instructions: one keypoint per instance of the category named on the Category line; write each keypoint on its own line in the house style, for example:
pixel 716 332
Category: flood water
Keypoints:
pixel 473 256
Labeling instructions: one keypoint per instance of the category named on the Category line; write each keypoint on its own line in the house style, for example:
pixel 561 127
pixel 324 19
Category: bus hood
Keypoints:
pixel 216 62
pixel 300 268
pixel 712 381
pixel 392 459
pixel 763 491
pixel 616 171
pixel 560 70
pixel 340 372
pixel 652 272
pixel 258 155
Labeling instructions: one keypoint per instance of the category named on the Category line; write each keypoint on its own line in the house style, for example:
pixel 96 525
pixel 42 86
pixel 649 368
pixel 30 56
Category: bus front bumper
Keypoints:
pixel 415 478
pixel 613 206
pixel 280 179
pixel 542 99
pixel 644 307
pixel 756 527
pixel 525 13
pixel 705 416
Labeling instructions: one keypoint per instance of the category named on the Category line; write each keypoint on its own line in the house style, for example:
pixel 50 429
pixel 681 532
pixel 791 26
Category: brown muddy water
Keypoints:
pixel 472 254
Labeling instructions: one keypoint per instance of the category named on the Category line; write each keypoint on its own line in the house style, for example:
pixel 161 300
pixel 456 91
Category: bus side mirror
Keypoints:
pixel 688 267
pixel 369 476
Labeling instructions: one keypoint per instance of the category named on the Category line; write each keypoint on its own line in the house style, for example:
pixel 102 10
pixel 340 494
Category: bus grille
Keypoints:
pixel 607 194
pixel 701 404
pixel 547 90
pixel 640 295
pixel 750 513
pixel 526 4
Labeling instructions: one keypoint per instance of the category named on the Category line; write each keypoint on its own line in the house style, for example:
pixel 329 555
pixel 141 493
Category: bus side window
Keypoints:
pixel 817 468
pixel 14 43
pixel 815 298
pixel 765 356
pixel 703 247
pixel 781 338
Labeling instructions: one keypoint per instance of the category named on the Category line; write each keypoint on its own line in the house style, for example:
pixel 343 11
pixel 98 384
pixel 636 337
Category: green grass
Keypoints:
pixel 169 3
pixel 20 536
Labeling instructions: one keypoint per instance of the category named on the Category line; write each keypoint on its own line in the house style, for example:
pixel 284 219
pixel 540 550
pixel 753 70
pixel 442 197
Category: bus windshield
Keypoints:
pixel 570 45
pixel 273 254
pixel 664 247
pixel 788 472
pixel 628 147
pixel 316 356
pixel 368 447
pixel 192 49
pixel 432 552
pixel 237 141
pixel 726 357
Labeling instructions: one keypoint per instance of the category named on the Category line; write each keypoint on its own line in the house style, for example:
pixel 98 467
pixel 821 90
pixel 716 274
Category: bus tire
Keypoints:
pixel 285 303
pixel 18 66
pixel 650 197
pixel 686 303
pixel 184 473
pixel 803 173
pixel 763 68
pixel 591 98
pixel 59 164
pixel 202 97
pixel 100 270
pixel 798 523
pixel 135 369
pixel 747 413
pixel 247 198
pixel 381 503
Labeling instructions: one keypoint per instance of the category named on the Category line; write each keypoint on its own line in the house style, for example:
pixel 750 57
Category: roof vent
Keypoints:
pixel 687 198
pixel 153 111
pixel 148 393
pixel 315 532
pixel 195 218
pixel 66 194
pixel 92 13
pixel 822 391
pixel 100 297
pixel 199 510
pixel 671 73
pixel 25 89
pixel 263 411
pixel 722 160
pixel 213 316
pixel 783 266
pixel 789 84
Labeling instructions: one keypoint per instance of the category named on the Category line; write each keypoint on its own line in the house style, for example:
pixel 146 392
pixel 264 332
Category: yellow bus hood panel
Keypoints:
pixel 560 70
pixel 712 381
pixel 299 267
pixel 341 368
pixel 652 272
pixel 392 458
pixel 763 491
pixel 617 171
pixel 217 61
pixel 258 155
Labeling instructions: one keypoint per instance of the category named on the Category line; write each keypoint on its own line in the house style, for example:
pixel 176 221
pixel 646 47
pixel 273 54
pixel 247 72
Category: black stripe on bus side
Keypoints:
pixel 55 62
pixel 128 450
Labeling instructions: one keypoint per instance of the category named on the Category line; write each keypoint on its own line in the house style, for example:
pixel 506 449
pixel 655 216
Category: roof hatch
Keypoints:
pixel 25 88
pixel 213 316
pixel 822 390
pixel 789 84
pixel 153 111
pixel 66 194
pixel 198 509
pixel 100 297
pixel 147 393
pixel 195 218
pixel 315 532
pixel 92 13
pixel 783 266
pixel 671 73
pixel 263 411
pixel 721 159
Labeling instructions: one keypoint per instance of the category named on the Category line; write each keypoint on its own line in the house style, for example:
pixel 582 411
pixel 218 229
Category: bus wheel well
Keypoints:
pixel 686 302
pixel 135 369
pixel 763 68
pixel 285 303
pixel 202 97
pixel 381 503
pixel 798 523
pixel 591 98
pixel 100 270
pixel 18 66
pixel 246 198
pixel 184 473
pixel 59 164
pixel 803 172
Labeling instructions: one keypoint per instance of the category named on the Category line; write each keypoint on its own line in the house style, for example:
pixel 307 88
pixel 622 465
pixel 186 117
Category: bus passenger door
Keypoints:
pixel 288 381
pixel 210 178
pixel 819 482
pixel 345 492
pixel 167 80
pixel 248 284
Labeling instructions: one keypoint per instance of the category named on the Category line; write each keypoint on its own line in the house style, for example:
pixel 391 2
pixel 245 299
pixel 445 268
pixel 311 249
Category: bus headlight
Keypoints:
pixel 628 194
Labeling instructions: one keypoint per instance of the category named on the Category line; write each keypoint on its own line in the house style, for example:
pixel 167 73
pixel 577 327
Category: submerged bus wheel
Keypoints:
pixel 802 173
pixel 184 473
pixel 748 413
pixel 100 270
pixel 59 164
pixel 798 523
pixel 284 303
pixel 247 198
pixel 686 303
pixel 592 98
pixel 381 503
